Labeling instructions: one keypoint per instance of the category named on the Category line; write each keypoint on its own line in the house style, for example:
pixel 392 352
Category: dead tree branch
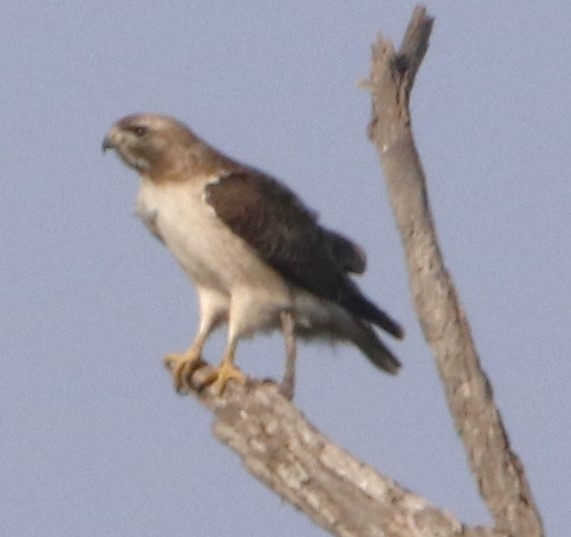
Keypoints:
pixel 338 492
pixel 497 470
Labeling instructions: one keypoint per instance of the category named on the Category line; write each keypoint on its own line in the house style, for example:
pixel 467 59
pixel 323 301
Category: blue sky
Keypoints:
pixel 93 440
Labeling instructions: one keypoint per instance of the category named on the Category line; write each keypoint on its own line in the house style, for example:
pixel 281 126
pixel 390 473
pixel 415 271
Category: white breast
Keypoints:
pixel 210 254
pixel 179 217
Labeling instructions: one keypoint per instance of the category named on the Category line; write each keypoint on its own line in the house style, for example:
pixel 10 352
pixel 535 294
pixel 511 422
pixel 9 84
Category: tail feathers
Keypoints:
pixel 374 349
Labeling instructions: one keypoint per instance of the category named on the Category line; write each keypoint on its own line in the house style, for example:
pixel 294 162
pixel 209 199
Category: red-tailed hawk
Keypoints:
pixel 252 249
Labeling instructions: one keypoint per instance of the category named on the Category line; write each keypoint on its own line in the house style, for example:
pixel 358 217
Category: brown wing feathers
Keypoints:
pixel 286 235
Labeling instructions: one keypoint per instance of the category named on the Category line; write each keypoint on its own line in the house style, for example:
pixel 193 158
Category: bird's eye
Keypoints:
pixel 139 130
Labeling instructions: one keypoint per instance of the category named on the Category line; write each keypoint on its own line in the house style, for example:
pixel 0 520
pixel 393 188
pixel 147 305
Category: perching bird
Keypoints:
pixel 256 254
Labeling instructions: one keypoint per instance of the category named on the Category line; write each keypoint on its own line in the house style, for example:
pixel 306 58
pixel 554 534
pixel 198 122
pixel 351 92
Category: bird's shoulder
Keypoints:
pixel 257 205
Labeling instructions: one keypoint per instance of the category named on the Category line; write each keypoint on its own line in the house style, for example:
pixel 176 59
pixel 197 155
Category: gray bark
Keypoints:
pixel 497 470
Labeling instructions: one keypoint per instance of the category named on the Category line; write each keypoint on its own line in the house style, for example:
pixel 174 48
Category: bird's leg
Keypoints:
pixel 182 366
pixel 288 382
pixel 225 371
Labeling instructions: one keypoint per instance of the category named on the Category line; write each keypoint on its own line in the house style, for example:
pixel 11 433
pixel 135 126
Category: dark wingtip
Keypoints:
pixel 382 320
pixel 363 308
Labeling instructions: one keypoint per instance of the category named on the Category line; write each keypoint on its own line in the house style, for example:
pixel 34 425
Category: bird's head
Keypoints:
pixel 155 146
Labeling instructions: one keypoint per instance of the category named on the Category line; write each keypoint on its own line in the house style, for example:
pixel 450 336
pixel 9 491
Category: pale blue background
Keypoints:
pixel 93 440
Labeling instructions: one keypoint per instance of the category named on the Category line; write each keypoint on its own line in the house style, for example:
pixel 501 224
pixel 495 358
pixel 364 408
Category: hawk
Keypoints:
pixel 257 256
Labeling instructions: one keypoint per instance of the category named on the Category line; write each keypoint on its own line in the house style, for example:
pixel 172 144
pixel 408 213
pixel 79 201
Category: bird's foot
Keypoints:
pixel 220 377
pixel 181 367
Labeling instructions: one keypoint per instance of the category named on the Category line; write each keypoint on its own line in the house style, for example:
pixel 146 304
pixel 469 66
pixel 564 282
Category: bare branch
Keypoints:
pixel 498 472
pixel 338 492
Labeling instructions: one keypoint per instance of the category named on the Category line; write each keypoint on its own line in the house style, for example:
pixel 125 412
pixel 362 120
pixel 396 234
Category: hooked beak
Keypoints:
pixel 107 144
pixel 111 139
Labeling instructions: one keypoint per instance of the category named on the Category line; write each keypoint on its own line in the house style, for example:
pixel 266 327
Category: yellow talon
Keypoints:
pixel 220 377
pixel 182 366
